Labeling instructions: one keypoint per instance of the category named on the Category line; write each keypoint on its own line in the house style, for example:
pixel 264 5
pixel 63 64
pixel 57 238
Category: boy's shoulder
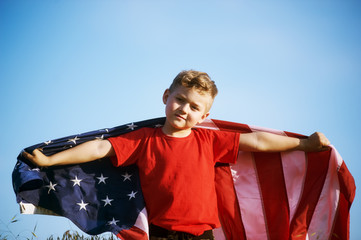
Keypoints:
pixel 212 133
pixel 141 132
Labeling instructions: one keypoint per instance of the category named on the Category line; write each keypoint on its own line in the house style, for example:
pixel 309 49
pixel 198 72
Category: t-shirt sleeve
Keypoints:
pixel 127 147
pixel 225 146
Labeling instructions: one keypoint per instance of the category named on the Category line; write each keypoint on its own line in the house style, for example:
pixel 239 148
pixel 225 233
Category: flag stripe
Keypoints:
pixel 229 210
pixel 294 169
pixel 317 166
pixel 230 215
pixel 322 220
pixel 132 233
pixel 275 202
pixel 347 195
pixel 248 194
pixel 231 126
pixel 263 129
pixel 142 221
pixel 219 234
pixel 208 124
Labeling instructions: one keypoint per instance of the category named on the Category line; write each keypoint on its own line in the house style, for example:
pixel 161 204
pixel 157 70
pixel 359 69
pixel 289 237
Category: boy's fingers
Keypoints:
pixel 322 139
pixel 325 148
pixel 32 155
pixel 27 155
pixel 24 153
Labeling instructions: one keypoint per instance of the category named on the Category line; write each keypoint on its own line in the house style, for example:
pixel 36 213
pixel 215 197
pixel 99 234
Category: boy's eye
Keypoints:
pixel 195 108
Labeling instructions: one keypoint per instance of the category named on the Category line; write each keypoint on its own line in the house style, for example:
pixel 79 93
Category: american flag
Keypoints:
pixel 291 195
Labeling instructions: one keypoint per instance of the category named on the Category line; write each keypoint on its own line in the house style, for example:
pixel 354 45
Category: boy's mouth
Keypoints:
pixel 179 116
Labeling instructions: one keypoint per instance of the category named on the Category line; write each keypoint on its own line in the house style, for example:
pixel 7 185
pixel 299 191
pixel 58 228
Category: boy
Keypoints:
pixel 176 162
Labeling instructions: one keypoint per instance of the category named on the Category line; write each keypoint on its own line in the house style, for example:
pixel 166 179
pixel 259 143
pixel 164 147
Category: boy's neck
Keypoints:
pixel 179 133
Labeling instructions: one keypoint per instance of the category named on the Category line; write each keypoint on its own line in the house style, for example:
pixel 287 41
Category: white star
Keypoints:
pixel 51 186
pixel 107 201
pixel 47 142
pixel 126 177
pixel 82 205
pixel 113 222
pixel 132 126
pixel 132 195
pixel 35 169
pixel 102 179
pixel 100 138
pixel 74 139
pixel 76 181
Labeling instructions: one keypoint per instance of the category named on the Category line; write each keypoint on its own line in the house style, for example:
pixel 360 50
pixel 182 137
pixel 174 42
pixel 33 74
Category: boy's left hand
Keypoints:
pixel 316 142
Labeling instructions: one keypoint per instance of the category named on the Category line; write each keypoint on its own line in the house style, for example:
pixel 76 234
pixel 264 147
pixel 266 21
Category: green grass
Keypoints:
pixel 7 234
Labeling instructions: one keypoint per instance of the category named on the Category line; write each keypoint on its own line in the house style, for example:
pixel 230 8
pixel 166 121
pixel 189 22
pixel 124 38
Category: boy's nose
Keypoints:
pixel 183 108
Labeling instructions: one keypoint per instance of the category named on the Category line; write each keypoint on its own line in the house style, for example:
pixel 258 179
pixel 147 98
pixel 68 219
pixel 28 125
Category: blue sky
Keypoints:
pixel 73 66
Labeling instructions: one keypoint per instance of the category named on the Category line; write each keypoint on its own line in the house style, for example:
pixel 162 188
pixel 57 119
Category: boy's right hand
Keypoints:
pixel 37 157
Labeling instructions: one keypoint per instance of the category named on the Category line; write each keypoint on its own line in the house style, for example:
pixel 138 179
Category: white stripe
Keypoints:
pixel 294 170
pixel 142 221
pixel 28 208
pixel 248 194
pixel 219 234
pixel 323 217
pixel 263 129
pixel 208 124
pixel 335 154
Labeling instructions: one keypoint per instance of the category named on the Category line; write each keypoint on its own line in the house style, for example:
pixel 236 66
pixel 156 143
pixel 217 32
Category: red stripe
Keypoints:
pixel 133 233
pixel 231 126
pixel 273 193
pixel 295 135
pixel 347 194
pixel 317 167
pixel 229 212
pixel 228 207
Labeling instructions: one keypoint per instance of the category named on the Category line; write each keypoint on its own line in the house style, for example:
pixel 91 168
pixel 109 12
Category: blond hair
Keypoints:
pixel 195 79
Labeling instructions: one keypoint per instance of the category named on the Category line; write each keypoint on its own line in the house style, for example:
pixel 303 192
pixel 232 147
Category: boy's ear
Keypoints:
pixel 165 96
pixel 203 117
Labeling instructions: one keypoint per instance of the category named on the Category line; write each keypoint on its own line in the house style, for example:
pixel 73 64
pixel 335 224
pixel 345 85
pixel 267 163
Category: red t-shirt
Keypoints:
pixel 177 174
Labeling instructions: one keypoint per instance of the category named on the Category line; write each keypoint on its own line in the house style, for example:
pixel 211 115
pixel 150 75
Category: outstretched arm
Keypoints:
pixel 82 153
pixel 268 142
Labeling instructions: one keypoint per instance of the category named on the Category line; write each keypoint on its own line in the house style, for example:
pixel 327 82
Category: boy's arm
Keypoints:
pixel 268 142
pixel 86 152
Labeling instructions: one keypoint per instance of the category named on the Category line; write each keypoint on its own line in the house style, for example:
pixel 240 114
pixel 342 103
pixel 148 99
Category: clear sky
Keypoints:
pixel 71 66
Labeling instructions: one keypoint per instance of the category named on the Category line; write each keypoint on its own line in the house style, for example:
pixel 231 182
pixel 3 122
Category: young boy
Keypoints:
pixel 176 162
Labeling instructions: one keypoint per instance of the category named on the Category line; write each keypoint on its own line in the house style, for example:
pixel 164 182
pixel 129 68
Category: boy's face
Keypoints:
pixel 185 107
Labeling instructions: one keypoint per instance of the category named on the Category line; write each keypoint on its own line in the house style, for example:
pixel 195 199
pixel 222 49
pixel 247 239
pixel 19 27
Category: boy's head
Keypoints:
pixel 200 81
pixel 188 100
